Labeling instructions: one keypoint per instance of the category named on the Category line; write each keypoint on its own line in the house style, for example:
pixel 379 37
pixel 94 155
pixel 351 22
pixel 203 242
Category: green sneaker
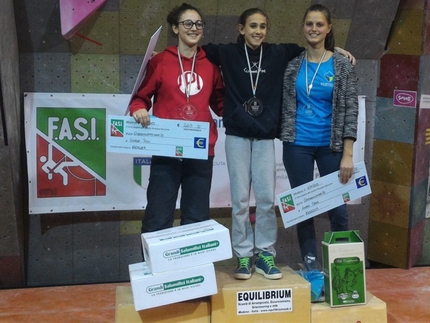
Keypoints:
pixel 243 270
pixel 265 265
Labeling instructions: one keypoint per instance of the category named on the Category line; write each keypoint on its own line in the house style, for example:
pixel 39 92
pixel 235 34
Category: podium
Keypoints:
pixel 259 299
pixel 254 300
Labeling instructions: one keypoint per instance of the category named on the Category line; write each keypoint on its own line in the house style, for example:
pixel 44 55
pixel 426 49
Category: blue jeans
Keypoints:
pixel 299 164
pixel 252 162
pixel 167 174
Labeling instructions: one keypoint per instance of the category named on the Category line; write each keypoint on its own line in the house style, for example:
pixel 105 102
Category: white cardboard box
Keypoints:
pixel 171 287
pixel 186 246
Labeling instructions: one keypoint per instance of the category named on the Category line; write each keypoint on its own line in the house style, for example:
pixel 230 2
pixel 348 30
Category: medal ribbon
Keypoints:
pixel 309 87
pixel 183 78
pixel 254 87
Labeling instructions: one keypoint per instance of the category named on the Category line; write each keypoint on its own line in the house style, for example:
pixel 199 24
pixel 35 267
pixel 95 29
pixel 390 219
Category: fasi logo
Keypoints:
pixel 179 151
pixel 287 203
pixel 117 128
pixel 346 197
pixel 70 152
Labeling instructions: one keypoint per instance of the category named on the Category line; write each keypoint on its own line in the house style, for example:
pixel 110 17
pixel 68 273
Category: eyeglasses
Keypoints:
pixel 188 24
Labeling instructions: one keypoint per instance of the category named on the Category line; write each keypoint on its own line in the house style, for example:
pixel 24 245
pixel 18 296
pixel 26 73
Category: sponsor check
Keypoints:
pixel 320 195
pixel 163 137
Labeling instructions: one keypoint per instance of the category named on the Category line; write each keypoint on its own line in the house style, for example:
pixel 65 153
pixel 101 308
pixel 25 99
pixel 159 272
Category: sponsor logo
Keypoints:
pixel 403 98
pixel 176 284
pixel 329 76
pixel 199 143
pixel 208 245
pixel 361 182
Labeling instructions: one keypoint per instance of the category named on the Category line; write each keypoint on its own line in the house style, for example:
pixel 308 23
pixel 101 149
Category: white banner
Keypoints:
pixel 69 169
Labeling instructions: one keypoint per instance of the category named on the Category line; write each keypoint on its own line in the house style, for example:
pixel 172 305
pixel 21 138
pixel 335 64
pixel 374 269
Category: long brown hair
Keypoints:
pixel 245 15
pixel 329 40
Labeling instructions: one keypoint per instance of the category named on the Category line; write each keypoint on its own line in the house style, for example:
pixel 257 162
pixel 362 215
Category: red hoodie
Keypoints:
pixel 163 81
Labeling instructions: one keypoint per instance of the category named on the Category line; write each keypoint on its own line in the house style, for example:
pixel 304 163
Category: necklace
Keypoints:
pixel 188 111
pixel 254 87
pixel 309 86
pixel 254 106
pixel 183 77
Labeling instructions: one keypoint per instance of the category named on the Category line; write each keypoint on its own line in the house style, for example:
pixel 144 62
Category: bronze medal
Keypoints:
pixel 254 106
pixel 189 111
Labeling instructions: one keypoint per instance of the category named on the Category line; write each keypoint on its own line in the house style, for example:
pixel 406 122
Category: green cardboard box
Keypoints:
pixel 344 268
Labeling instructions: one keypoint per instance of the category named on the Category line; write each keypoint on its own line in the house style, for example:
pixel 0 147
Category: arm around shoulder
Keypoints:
pixel 347 54
pixel 212 53
pixel 217 97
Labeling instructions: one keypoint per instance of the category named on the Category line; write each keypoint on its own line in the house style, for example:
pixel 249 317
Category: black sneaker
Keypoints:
pixel 265 265
pixel 243 270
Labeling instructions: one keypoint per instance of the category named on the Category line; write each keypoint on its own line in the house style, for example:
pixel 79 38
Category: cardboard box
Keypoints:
pixel 192 311
pixel 261 300
pixel 151 290
pixel 375 311
pixel 344 268
pixel 186 246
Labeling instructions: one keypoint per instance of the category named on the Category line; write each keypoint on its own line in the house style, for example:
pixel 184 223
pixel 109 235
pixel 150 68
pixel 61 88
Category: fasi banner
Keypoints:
pixel 70 170
pixel 66 151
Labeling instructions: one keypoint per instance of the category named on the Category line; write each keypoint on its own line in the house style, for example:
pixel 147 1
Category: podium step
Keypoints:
pixel 374 311
pixel 259 299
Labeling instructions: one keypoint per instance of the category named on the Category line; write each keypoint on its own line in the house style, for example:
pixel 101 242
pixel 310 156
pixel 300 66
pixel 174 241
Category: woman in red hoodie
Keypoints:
pixel 182 84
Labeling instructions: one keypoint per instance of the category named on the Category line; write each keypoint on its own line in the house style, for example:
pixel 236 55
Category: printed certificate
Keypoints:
pixel 321 195
pixel 163 137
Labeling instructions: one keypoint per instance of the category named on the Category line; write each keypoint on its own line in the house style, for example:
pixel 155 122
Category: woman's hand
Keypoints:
pixel 345 53
pixel 141 116
pixel 346 169
pixel 346 164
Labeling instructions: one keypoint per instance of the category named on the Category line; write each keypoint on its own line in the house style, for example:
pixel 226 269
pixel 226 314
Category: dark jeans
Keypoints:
pixel 194 176
pixel 299 164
